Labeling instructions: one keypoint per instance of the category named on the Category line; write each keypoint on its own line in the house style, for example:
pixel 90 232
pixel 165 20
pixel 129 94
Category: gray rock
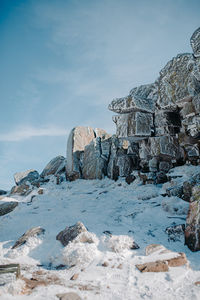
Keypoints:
pixel 7 207
pixel 78 138
pixel 30 233
pixel 176 190
pixel 187 190
pixel 177 81
pixel 2 192
pixel 153 164
pixel 164 166
pixel 70 233
pixel 195 42
pixel 130 178
pixel 54 167
pixel 124 164
pixel 141 98
pixel 192 231
pixel 26 176
pixel 167 122
pixel 161 177
pixel 175 232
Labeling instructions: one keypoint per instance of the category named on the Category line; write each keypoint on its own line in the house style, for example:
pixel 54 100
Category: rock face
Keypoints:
pixel 7 207
pixel 70 233
pixel 54 167
pixel 27 176
pixel 195 42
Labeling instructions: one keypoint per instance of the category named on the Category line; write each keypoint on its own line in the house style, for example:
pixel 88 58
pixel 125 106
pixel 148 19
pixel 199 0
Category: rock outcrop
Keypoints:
pixel 54 167
pixel 29 176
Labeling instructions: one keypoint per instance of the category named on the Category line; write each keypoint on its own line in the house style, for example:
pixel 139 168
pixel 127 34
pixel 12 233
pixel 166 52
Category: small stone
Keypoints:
pixel 197 283
pixel 105 264
pixel 68 296
pixel 40 191
pixel 70 233
pixel 120 267
pixel 7 207
pixel 22 189
pixel 157 266
pixel 130 178
pixel 74 277
pixel 161 177
pixel 164 166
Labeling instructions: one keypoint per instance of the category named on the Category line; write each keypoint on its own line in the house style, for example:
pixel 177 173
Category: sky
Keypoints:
pixel 63 61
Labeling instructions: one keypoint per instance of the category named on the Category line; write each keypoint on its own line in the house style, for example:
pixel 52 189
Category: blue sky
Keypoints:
pixel 63 61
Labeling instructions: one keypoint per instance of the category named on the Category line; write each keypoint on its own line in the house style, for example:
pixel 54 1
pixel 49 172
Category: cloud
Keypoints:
pixel 27 132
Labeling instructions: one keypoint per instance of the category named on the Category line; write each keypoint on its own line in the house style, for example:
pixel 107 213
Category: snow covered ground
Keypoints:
pixel 106 268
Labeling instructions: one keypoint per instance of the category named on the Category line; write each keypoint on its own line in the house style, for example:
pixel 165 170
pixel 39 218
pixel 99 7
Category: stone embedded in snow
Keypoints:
pixel 68 296
pixel 176 81
pixel 130 178
pixel 29 233
pixel 7 207
pixel 176 232
pixel 26 176
pixel 141 98
pixel 192 231
pixel 54 167
pixel 164 166
pixel 195 42
pixel 2 192
pixel 175 206
pixel 70 233
pixel 157 266
pixel 78 138
pixel 22 190
pixel 119 243
pixel 161 177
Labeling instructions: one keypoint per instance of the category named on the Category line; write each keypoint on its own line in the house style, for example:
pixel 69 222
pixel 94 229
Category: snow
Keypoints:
pixel 116 215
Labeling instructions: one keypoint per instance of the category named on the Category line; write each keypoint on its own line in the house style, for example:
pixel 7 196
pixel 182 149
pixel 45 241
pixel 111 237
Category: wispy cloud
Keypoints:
pixel 27 132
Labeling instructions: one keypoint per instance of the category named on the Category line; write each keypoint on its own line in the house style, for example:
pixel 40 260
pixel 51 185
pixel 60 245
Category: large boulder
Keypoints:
pixel 95 159
pixel 7 207
pixel 79 138
pixel 26 176
pixel 70 233
pixel 54 167
pixel 195 42
pixel 35 231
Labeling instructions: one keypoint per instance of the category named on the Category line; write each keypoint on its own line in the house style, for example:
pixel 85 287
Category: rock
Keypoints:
pixel 197 283
pixel 134 124
pixel 176 232
pixel 175 206
pixel 40 191
pixel 195 42
pixel 167 122
pixel 95 159
pixel 7 207
pixel 26 176
pixel 176 190
pixel 153 164
pixel 157 266
pixel 70 233
pixel 54 167
pixel 164 166
pixel 22 190
pixel 178 261
pixel 105 264
pixel 130 178
pixel 73 176
pixel 161 177
pixel 78 138
pixel 2 192
pixel 141 98
pixel 74 277
pixel 187 191
pixel 29 233
pixel 153 248
pixel 124 164
pixel 176 81
pixel 192 231
pixel 68 296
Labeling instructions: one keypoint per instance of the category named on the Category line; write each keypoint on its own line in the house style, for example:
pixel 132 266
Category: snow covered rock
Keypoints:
pixel 54 167
pixel 7 207
pixel 119 243
pixel 175 206
pixel 68 296
pixel 22 190
pixel 35 231
pixel 26 176
pixel 70 233
pixel 157 266
pixel 195 42
pixel 176 232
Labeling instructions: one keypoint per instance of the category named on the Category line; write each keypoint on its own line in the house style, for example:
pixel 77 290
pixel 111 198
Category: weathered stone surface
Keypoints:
pixel 54 167
pixel 22 189
pixel 134 124
pixel 176 81
pixel 176 190
pixel 161 177
pixel 130 178
pixel 167 122
pixel 26 176
pixel 124 164
pixel 192 231
pixel 29 233
pixel 7 207
pixel 176 232
pixel 157 266
pixel 95 159
pixel 141 98
pixel 164 166
pixel 2 192
pixel 195 42
pixel 70 233
pixel 68 296
pixel 79 138
pixel 153 164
